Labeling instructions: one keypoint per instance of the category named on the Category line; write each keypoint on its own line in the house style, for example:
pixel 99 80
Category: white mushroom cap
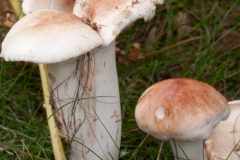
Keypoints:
pixel 224 140
pixel 181 109
pixel 109 18
pixel 30 6
pixel 48 36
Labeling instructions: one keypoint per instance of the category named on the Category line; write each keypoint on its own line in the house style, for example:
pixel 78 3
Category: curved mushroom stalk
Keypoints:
pixel 188 150
pixel 86 90
pixel 224 142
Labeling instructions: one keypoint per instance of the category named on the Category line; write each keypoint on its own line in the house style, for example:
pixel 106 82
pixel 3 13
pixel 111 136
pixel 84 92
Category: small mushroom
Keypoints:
pixel 224 142
pixel 183 111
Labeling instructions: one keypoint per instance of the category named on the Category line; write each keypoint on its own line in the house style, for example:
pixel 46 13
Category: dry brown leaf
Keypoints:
pixel 135 53
pixel 9 20
pixel 7 15
pixel 121 56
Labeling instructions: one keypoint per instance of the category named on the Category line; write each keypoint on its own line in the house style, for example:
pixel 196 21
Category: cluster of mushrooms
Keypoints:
pixel 77 41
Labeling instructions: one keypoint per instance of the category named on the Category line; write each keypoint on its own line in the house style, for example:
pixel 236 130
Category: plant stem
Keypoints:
pixel 55 137
pixel 16 5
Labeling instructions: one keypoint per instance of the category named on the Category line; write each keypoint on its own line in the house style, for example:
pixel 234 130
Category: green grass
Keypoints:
pixel 23 128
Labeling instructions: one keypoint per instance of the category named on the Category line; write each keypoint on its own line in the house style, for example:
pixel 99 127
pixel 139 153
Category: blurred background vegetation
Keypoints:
pixel 193 39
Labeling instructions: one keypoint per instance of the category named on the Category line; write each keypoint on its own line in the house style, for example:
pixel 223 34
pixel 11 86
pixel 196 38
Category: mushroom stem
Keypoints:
pixel 85 96
pixel 188 150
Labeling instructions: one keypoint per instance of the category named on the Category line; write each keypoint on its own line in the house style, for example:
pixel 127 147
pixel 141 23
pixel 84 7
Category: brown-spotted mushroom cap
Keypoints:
pixel 48 36
pixel 181 109
pixel 110 17
pixel 30 6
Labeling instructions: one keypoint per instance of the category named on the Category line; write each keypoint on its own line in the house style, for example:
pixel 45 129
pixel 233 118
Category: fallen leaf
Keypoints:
pixel 135 53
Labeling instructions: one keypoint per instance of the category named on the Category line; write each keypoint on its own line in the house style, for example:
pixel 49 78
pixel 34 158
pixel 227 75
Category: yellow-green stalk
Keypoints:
pixel 16 5
pixel 57 146
pixel 55 137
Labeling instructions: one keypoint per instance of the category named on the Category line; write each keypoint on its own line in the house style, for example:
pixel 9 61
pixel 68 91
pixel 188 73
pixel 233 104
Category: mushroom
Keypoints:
pixel 109 18
pixel 47 36
pixel 30 6
pixel 183 111
pixel 40 37
pixel 224 140
pixel 84 89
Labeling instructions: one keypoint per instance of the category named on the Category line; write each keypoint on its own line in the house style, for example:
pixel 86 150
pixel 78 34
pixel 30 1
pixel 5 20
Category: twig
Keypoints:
pixel 8 147
pixel 160 150
pixel 212 10
pixel 140 145
pixel 174 45
pixel 24 146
